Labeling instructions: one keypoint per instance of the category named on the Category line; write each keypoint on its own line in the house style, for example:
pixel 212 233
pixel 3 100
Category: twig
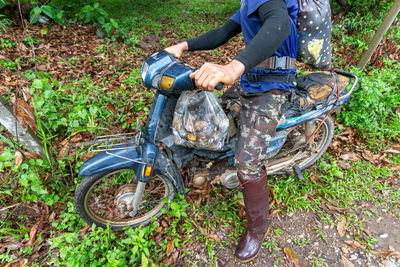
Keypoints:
pixel 9 207
pixel 20 14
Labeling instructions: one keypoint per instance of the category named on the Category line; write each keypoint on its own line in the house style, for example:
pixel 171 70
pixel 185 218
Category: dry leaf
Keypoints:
pixel 346 262
pixel 387 253
pixel 212 236
pixel 32 234
pixel 355 244
pixel 350 156
pixel 63 151
pixel 291 258
pixel 274 212
pixel 18 158
pixel 341 226
pixel 20 262
pixel 32 155
pixel 329 208
pixel 170 248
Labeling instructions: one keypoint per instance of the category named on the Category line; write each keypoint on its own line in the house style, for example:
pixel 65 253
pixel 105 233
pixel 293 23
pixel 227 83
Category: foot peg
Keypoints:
pixel 297 171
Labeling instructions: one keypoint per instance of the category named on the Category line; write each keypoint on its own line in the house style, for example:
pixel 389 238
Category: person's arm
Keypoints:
pixel 273 32
pixel 214 38
pixel 209 40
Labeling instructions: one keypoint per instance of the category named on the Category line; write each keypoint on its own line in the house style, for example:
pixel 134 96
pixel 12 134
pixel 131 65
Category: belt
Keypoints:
pixel 283 63
pixel 279 78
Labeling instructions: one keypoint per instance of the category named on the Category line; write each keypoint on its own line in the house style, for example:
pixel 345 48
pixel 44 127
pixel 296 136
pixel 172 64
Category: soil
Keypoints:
pixel 385 228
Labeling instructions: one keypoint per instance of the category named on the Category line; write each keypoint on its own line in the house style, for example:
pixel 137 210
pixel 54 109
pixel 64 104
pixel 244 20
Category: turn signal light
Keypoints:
pixel 191 137
pixel 167 82
pixel 147 172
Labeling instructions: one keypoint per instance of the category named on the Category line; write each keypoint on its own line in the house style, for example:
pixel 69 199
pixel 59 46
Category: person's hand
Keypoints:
pixel 178 49
pixel 209 75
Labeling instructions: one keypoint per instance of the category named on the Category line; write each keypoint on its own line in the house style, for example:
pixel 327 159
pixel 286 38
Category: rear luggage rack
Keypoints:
pixel 116 142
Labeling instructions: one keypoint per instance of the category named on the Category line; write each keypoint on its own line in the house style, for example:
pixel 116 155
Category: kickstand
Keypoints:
pixel 297 171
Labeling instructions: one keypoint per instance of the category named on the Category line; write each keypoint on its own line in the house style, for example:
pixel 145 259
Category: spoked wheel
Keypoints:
pixel 318 145
pixel 106 198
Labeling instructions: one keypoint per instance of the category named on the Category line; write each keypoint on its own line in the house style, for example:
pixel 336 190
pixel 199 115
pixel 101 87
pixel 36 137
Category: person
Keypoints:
pixel 266 68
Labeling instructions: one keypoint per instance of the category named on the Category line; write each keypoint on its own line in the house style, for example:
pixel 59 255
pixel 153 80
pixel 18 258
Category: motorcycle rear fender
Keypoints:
pixel 164 166
pixel 112 160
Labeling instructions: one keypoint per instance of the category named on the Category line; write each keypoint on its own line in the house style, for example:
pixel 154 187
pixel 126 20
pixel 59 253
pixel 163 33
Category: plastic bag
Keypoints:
pixel 314 28
pixel 199 121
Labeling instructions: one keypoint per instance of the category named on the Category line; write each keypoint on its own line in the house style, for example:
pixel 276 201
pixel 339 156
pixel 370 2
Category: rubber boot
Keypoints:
pixel 255 195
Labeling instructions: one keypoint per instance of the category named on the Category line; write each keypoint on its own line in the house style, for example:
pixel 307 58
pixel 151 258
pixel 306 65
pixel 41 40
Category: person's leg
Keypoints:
pixel 259 117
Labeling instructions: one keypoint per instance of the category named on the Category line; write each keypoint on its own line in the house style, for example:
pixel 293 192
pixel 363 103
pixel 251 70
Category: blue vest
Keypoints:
pixel 250 23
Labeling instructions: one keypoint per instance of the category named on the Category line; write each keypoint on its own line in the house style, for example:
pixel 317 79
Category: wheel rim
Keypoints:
pixel 100 201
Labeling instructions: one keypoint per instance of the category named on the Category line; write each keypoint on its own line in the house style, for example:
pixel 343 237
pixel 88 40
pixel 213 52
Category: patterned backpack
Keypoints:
pixel 314 28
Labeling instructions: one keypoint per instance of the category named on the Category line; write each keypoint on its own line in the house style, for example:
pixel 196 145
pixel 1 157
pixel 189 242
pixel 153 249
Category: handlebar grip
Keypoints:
pixel 219 86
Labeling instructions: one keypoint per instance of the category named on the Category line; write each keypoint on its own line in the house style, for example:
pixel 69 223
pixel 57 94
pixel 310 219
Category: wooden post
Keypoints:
pixel 10 122
pixel 388 20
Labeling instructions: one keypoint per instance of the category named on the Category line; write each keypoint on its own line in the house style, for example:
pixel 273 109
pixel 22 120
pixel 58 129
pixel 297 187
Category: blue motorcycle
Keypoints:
pixel 136 175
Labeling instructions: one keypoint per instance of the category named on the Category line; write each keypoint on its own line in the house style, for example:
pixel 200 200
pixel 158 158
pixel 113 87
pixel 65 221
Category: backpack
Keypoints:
pixel 314 29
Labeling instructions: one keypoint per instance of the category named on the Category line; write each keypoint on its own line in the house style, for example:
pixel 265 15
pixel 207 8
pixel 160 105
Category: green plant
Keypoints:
pixel 103 247
pixel 4 22
pixel 5 43
pixel 51 12
pixel 11 64
pixel 99 17
pixel 372 106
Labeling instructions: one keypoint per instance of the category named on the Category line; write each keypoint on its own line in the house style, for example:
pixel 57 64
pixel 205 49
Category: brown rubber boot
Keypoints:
pixel 255 195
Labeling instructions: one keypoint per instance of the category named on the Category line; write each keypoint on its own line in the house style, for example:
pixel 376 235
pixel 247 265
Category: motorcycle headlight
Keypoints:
pixel 145 68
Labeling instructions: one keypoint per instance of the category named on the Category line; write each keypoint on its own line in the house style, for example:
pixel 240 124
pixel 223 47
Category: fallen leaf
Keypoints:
pixel 291 258
pixel 20 262
pixel 346 262
pixel 170 248
pixel 355 244
pixel 274 212
pixel 328 207
pixel 395 150
pixel 341 226
pixel 350 156
pixel 63 151
pixel 212 236
pixel 387 253
pixel 32 155
pixel 18 158
pixel 174 257
pixel 32 234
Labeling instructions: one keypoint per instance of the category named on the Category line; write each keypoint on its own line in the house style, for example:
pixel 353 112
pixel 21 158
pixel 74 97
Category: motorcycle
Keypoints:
pixel 135 176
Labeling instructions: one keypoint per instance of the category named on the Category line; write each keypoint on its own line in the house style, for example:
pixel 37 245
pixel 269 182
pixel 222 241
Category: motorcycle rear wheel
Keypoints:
pixel 317 146
pixel 99 197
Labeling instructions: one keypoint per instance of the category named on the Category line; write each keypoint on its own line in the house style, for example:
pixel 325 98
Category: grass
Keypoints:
pixel 66 107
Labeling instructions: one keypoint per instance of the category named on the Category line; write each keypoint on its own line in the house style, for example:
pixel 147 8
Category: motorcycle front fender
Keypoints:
pixel 167 168
pixel 107 161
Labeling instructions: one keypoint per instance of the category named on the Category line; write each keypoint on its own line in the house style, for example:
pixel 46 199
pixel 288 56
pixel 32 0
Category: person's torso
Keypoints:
pixel 251 23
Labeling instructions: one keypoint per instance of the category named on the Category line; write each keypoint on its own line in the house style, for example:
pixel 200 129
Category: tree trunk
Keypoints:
pixel 387 21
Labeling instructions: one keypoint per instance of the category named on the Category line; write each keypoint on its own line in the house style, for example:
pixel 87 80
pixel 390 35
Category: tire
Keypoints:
pixel 326 134
pixel 97 203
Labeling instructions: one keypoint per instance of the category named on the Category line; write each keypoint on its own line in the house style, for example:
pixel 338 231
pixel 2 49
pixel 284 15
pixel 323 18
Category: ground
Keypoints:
pixel 345 213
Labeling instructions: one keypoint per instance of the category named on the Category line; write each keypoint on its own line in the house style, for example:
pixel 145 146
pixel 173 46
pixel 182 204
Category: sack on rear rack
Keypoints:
pixel 316 89
pixel 199 121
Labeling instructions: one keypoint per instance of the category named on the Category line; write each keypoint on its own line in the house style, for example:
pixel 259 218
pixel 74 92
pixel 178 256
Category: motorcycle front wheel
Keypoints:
pixel 104 199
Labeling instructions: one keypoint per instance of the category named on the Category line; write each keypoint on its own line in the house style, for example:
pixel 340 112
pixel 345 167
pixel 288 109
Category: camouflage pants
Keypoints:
pixel 259 118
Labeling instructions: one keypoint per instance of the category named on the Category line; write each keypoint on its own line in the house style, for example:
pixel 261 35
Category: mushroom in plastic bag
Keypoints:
pixel 199 121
